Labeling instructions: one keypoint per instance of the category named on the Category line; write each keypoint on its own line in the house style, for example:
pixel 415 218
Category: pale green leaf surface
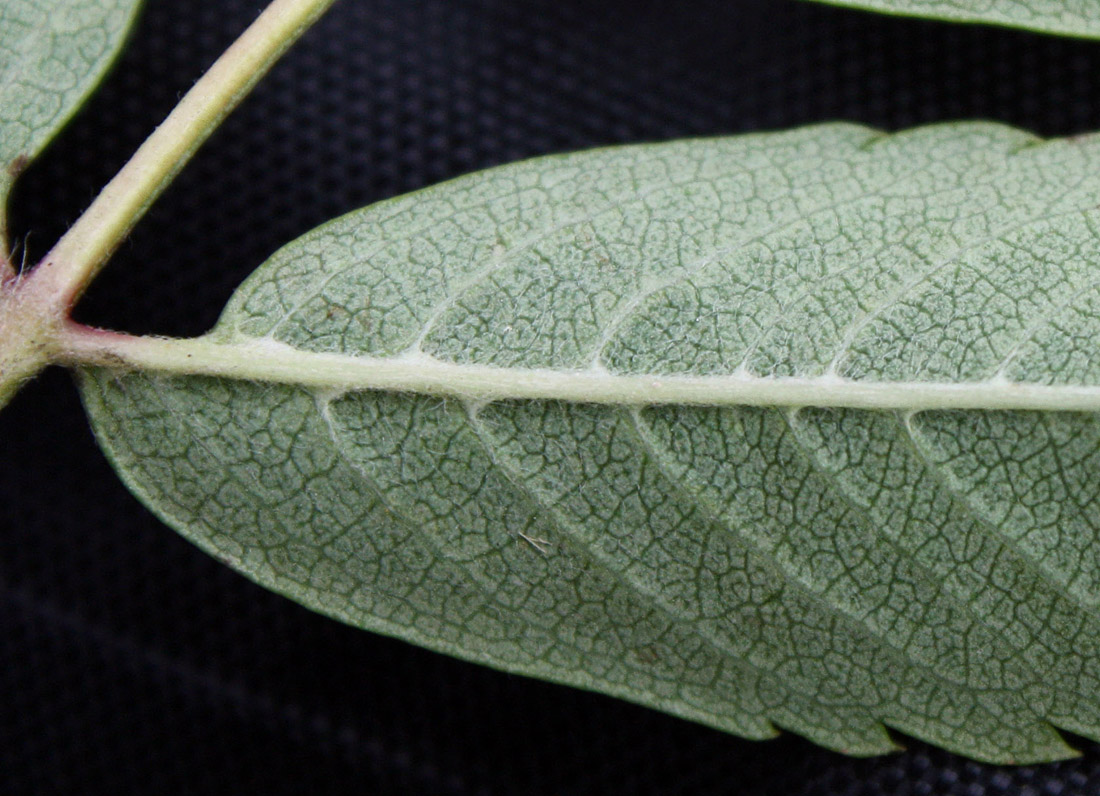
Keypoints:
pixel 1066 17
pixel 52 53
pixel 829 571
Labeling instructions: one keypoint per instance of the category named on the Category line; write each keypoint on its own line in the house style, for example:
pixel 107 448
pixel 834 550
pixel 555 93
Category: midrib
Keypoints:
pixel 271 361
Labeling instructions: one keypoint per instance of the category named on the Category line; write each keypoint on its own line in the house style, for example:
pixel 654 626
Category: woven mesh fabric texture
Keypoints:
pixel 130 662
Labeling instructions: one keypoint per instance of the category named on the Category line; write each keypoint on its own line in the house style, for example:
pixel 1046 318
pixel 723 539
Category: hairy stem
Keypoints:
pixel 271 361
pixel 27 337
pixel 68 268
pixel 33 309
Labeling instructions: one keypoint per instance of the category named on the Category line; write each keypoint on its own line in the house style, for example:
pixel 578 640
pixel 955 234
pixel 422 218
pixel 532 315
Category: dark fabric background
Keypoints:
pixel 132 663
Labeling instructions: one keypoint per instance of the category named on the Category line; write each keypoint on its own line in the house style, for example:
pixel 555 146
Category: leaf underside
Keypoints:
pixel 1066 17
pixel 52 54
pixel 829 571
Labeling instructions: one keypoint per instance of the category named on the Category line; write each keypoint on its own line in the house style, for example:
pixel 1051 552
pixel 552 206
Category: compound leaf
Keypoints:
pixel 52 54
pixel 777 431
pixel 1066 17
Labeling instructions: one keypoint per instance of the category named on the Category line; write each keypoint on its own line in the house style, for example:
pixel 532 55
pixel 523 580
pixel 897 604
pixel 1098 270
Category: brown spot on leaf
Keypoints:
pixel 646 655
pixel 18 166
